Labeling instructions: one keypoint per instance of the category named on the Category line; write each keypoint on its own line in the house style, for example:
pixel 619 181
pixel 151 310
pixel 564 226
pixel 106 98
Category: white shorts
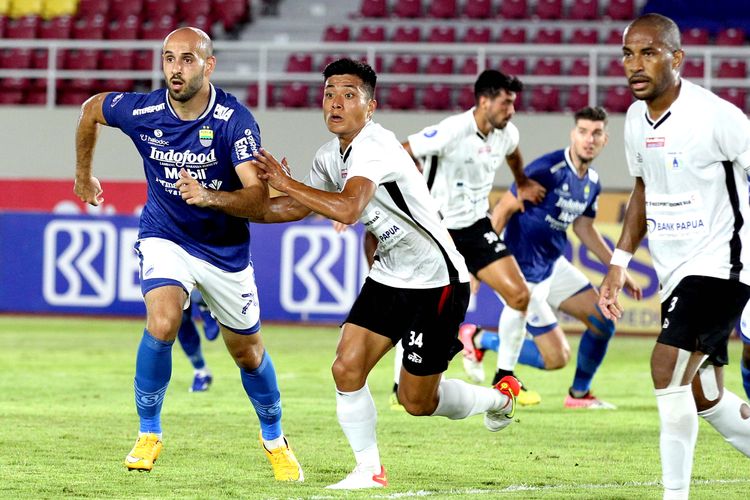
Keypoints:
pixel 546 296
pixel 744 327
pixel 231 297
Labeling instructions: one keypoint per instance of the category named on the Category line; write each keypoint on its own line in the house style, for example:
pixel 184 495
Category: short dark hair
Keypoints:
pixel 669 32
pixel 490 82
pixel 346 66
pixel 595 114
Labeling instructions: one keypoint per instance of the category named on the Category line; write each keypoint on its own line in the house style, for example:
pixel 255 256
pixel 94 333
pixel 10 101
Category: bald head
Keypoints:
pixel 667 30
pixel 194 37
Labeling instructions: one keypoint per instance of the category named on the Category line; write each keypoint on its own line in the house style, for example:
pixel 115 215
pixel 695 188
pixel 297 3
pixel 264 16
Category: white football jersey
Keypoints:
pixel 693 161
pixel 414 248
pixel 460 165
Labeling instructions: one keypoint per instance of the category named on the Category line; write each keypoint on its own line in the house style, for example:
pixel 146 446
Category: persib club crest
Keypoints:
pixel 205 136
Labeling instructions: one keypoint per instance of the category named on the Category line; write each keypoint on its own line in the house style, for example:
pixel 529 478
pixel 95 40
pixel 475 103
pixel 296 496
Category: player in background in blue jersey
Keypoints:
pixel 190 340
pixel 191 234
pixel 743 331
pixel 537 239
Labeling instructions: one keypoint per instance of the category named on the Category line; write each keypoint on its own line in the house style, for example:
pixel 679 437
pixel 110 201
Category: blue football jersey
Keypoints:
pixel 537 236
pixel 209 148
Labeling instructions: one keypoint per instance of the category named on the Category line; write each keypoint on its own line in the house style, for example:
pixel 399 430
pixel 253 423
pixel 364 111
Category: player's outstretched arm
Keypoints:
pixel 503 210
pixel 87 187
pixel 345 207
pixel 528 189
pixel 633 231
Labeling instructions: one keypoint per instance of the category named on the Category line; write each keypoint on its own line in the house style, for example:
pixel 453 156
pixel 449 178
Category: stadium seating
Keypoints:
pixel 299 63
pixel 441 34
pixel 623 10
pixel 373 8
pixel 231 13
pixel 478 9
pixel 407 34
pixel 695 36
pixel 159 29
pixel 155 9
pixel 34 97
pixel 56 28
pixel 72 97
pixel 548 36
pixel 614 37
pixel 11 97
pixel 13 84
pixel 548 66
pixel 117 59
pixel 200 21
pixel 549 9
pixel 738 97
pixel 692 68
pixel 730 36
pixel 295 95
pixel 732 68
pixel 545 99
pixel 371 34
pixel 513 9
pixel 91 28
pixel 469 66
pixel 407 8
pixel 439 65
pixel 580 67
pixel 617 99
pixel 465 98
pixel 578 97
pixel 191 8
pixel 437 97
pixel 513 65
pixel 401 96
pixel 405 64
pixel 512 35
pixel 122 9
pixel 15 58
pixel 584 10
pixel 253 95
pixel 442 9
pixel 336 33
pixel 477 34
pixel 584 36
pixel 56 8
pixel 25 27
pixel 124 28
pixel 615 68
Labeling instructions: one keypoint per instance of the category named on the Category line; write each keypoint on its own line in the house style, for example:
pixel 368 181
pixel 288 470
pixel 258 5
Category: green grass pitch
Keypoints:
pixel 67 420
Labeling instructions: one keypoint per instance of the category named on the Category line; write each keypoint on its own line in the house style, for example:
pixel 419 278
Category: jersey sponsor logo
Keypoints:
pixel 246 147
pixel 158 132
pixel 430 133
pixel 205 136
pixel 414 358
pixel 675 227
pixel 215 184
pixel 182 158
pixel 222 112
pixel 391 231
pixel 195 173
pixel 655 142
pixel 116 99
pixel 149 109
pixel 152 140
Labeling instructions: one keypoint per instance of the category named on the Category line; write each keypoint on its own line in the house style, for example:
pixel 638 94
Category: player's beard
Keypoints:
pixel 189 89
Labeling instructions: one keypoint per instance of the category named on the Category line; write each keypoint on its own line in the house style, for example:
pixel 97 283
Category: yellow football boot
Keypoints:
pixel 144 453
pixel 284 463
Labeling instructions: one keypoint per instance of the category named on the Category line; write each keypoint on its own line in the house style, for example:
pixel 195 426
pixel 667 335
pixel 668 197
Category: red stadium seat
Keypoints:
pixel 407 8
pixel 439 65
pixel 548 66
pixel 253 95
pixel 407 34
pixel 88 8
pixel 477 34
pixel 405 64
pixel 57 28
pixel 154 9
pixel 738 97
pixel 143 60
pixel 437 97
pixel 40 59
pixel 117 85
pixel 442 34
pixel 15 58
pixel 72 97
pixel 12 84
pixel 295 95
pixel 469 66
pixel 580 67
pixel 11 98
pixel 730 36
pixel 299 63
pixel 615 68
pixel 91 28
pixel 614 37
pixel 374 8
pixel 81 59
pixel 158 30
pixel 191 8
pixel 695 36
pixel 732 68
pixel 401 96
pixel 620 9
pixel 24 27
pixel 545 98
pixel 371 34
pixel 336 33
pixel 549 9
pixel 231 13
pixel 116 59
pixel 513 66
pixel 512 35
pixel 121 9
pixel 548 36
pixel 584 10
pixel 124 28
pixel 442 9
pixel 465 97
pixel 35 97
pixel 513 9
pixel 199 21
pixel 578 97
pixel 585 36
pixel 478 9
pixel 617 99
pixel 692 68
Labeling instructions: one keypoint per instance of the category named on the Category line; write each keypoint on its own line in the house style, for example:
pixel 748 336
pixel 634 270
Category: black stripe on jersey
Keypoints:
pixel 735 244
pixel 433 169
pixel 346 153
pixel 400 202
pixel 661 120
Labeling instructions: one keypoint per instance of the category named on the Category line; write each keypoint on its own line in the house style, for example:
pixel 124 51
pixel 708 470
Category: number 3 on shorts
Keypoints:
pixel 415 339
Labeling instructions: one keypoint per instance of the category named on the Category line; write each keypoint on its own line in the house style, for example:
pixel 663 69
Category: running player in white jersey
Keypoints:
pixel 689 152
pixel 196 142
pixel 417 290
pixel 538 237
pixel 459 158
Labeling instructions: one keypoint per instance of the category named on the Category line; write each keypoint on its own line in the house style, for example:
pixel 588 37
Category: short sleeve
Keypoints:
pixel 318 178
pixel 432 140
pixel 514 138
pixel 732 133
pixel 117 109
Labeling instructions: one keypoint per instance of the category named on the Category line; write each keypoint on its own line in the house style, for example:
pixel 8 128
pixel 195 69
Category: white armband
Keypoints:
pixel 620 258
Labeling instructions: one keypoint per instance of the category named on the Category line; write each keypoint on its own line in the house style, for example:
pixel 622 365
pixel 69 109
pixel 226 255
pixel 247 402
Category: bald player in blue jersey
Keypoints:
pixel 191 234
pixel 537 238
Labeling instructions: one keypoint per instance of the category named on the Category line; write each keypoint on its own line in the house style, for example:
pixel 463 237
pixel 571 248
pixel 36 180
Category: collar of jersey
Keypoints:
pixel 345 154
pixel 209 106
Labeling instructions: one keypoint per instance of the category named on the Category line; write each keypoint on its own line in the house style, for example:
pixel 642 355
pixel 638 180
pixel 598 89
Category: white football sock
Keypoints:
pixel 512 330
pixel 458 399
pixel 726 418
pixel 357 416
pixel 679 431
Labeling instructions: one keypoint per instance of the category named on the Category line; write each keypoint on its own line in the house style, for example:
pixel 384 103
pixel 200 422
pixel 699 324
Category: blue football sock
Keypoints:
pixel 191 341
pixel 530 355
pixel 591 352
pixel 745 378
pixel 263 391
pixel 153 369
